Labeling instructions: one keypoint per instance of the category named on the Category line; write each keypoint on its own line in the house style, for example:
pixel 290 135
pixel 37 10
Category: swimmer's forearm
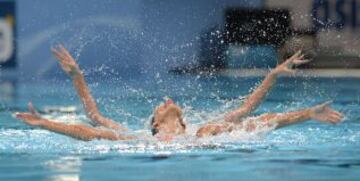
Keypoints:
pixel 74 131
pixel 258 95
pixel 285 119
pixel 70 66
pixel 254 99
pixel 90 105
pixel 85 95
pixel 80 132
pixel 322 113
pixel 108 123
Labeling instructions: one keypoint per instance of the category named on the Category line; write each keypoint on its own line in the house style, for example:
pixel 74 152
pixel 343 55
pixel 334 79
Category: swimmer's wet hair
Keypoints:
pixel 155 131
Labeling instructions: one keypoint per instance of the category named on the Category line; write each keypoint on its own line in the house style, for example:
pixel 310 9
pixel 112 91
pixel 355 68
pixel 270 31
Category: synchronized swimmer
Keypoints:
pixel 167 121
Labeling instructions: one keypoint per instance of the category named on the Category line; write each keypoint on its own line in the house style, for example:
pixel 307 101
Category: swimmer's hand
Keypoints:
pixel 288 65
pixel 33 110
pixel 33 118
pixel 324 113
pixel 30 119
pixel 66 61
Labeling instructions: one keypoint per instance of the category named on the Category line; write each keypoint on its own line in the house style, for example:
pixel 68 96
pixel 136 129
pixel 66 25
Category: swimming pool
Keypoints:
pixel 310 151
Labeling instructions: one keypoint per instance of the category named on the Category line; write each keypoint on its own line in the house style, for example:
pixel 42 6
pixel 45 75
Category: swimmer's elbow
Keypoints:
pixel 94 116
pixel 210 130
pixel 202 132
pixel 237 115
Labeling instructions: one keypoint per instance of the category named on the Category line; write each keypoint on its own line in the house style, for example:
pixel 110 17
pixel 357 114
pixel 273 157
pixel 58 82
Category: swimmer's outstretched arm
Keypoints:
pixel 70 66
pixel 255 98
pixel 321 113
pixel 80 132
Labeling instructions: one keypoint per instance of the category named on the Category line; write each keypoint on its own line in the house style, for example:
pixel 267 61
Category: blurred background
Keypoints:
pixel 137 38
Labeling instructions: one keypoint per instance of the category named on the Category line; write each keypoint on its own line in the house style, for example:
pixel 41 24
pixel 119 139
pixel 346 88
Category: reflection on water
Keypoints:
pixel 64 168
pixel 64 178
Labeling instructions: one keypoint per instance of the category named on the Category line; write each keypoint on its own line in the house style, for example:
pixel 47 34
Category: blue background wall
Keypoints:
pixel 125 38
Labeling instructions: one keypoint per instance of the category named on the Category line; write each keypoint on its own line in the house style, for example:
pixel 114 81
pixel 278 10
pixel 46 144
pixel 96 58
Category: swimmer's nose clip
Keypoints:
pixel 168 100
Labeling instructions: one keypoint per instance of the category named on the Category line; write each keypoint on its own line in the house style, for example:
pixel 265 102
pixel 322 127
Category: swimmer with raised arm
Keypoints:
pixel 167 121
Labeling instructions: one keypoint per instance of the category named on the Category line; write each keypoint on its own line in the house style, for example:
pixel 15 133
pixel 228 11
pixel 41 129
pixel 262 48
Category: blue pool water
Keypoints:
pixel 310 151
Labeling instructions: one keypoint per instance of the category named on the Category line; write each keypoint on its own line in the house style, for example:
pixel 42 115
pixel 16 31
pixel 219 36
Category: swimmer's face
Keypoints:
pixel 168 120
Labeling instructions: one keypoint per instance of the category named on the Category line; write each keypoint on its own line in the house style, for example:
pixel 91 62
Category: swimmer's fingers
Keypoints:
pixel 293 61
pixel 301 61
pixel 68 59
pixel 64 50
pixel 335 114
pixel 295 56
pixel 334 119
pixel 58 54
pixel 331 120
pixel 68 64
pixel 287 66
pixel 29 119
pixel 337 119
pixel 62 59
pixel 67 53
pixel 23 115
pixel 300 57
pixel 325 104
pixel 338 114
pixel 324 113
pixel 33 110
pixel 296 59
pixel 62 54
